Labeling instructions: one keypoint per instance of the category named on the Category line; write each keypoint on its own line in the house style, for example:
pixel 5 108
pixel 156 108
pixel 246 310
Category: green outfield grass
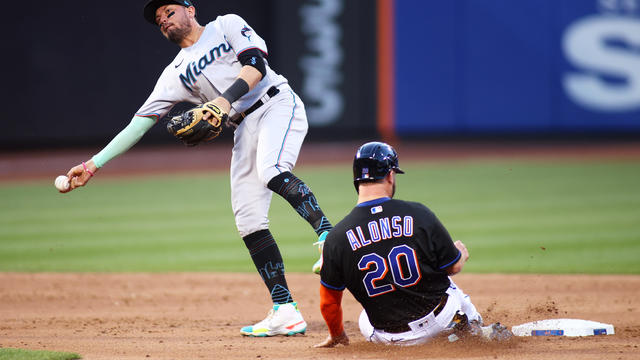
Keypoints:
pixel 514 216
pixel 18 354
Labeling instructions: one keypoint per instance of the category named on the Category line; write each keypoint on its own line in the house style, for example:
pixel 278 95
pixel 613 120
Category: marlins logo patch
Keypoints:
pixel 376 209
pixel 246 32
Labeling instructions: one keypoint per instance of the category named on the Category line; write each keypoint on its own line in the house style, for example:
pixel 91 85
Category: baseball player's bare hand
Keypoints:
pixel 220 102
pixel 80 174
pixel 332 342
pixel 463 250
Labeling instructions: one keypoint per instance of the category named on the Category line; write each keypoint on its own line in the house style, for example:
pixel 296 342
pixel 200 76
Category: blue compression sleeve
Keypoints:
pixel 128 137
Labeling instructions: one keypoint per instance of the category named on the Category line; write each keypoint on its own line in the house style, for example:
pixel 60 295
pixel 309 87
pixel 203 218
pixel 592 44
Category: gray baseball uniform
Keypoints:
pixel 272 126
pixel 267 142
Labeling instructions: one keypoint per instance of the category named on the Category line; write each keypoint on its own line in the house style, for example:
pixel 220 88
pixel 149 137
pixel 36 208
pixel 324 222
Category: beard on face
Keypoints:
pixel 177 33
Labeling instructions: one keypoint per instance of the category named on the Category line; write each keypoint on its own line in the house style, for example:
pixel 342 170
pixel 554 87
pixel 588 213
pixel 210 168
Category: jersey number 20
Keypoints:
pixel 378 267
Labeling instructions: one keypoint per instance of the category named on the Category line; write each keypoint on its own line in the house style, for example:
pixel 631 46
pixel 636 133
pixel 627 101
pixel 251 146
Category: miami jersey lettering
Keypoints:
pixel 195 69
pixel 201 72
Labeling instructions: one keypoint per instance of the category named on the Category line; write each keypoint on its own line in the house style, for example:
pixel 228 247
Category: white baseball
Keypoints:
pixel 62 183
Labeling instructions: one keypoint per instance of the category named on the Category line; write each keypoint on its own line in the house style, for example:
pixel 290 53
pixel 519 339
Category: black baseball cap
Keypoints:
pixel 153 5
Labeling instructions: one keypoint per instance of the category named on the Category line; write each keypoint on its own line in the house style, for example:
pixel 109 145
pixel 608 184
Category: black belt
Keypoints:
pixel 237 118
pixel 405 327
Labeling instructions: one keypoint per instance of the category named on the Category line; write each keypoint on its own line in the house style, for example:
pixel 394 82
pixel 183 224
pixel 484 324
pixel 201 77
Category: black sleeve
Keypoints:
pixel 447 253
pixel 253 57
pixel 439 242
pixel 332 273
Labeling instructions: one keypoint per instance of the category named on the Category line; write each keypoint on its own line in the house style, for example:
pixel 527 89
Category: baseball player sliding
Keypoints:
pixel 395 257
pixel 223 66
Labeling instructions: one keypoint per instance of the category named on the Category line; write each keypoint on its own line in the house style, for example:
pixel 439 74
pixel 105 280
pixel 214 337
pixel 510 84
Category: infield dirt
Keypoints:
pixel 199 315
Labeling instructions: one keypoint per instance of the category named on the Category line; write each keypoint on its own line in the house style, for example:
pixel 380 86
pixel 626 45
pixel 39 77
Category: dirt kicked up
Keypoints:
pixel 199 315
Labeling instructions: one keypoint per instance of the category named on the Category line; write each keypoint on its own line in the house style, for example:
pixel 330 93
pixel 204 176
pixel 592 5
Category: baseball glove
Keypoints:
pixel 191 127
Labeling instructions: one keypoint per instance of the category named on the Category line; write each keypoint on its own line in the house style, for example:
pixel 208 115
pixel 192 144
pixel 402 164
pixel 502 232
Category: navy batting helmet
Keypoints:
pixel 373 162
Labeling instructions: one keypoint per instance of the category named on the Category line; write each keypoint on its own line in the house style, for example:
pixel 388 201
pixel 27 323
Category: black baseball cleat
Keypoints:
pixel 491 332
pixel 498 332
pixel 461 327
pixel 460 323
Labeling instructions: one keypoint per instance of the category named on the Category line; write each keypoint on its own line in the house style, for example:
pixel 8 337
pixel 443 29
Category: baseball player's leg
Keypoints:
pixel 298 194
pixel 366 329
pixel 268 261
pixel 475 325
pixel 280 138
pixel 421 330
pixel 249 199
pixel 465 302
pixel 250 202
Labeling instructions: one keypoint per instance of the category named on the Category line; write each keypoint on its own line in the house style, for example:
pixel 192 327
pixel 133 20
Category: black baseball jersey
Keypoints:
pixel 391 255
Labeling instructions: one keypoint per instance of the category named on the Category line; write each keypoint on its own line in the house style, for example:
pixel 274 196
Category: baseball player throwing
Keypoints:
pixel 395 257
pixel 223 66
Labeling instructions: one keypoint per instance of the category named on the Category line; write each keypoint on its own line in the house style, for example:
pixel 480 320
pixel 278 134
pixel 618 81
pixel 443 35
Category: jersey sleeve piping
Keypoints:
pixel 332 287
pixel 253 47
pixel 154 116
pixel 452 262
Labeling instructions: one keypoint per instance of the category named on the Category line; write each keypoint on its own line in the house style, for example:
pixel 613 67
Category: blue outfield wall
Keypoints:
pixel 471 67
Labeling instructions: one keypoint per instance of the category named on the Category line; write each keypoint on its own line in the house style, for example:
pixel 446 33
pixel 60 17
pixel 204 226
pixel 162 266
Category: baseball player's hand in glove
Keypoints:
pixel 80 174
pixel 200 124
pixel 333 341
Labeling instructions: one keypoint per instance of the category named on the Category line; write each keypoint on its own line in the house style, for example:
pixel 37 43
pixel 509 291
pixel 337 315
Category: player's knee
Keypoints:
pixel 245 229
pixel 270 172
pixel 248 222
pixel 366 329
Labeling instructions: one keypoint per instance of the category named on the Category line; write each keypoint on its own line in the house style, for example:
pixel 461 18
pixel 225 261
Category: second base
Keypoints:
pixel 563 327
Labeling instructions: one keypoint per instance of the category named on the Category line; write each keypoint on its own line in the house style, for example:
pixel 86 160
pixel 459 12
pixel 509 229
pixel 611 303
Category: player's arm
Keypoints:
pixel 331 309
pixel 80 174
pixel 251 53
pixel 252 71
pixel 451 256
